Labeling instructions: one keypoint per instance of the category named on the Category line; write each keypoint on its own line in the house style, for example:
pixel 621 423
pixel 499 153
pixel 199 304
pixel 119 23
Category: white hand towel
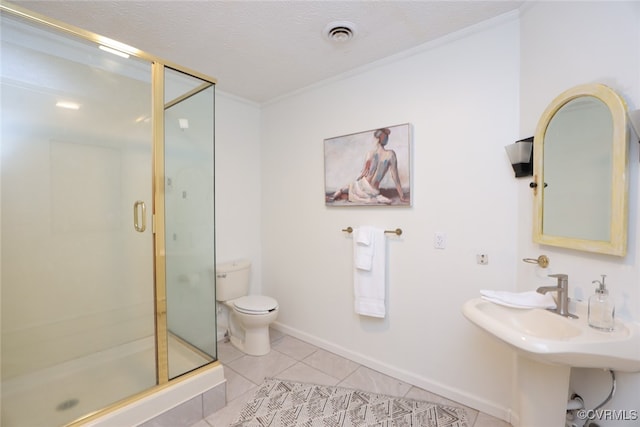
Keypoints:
pixel 363 248
pixel 369 285
pixel 528 299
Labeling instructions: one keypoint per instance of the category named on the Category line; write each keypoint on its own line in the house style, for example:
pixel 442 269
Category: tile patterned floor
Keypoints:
pixel 297 360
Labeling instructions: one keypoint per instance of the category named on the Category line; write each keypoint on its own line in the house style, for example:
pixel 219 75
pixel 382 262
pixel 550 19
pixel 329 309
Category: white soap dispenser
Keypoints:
pixel 601 308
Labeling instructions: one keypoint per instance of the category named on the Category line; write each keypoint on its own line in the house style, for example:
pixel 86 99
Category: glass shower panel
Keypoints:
pixel 189 221
pixel 76 278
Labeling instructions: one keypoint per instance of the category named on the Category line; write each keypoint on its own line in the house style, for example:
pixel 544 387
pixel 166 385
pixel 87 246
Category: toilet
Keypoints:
pixel 249 316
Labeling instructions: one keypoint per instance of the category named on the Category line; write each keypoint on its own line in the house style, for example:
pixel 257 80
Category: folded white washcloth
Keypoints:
pixel 528 299
pixel 364 248
pixel 363 235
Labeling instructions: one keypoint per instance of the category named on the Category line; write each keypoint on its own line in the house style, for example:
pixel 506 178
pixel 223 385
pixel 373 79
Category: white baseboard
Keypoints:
pixel 460 396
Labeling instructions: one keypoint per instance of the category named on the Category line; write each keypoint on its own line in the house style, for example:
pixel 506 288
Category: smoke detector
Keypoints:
pixel 340 31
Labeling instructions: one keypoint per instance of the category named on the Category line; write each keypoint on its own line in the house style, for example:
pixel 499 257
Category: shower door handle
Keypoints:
pixel 139 211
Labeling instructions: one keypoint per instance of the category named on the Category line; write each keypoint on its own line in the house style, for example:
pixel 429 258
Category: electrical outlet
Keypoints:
pixel 439 240
pixel 482 259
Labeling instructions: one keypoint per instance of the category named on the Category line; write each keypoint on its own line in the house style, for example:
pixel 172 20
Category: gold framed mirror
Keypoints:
pixel 581 171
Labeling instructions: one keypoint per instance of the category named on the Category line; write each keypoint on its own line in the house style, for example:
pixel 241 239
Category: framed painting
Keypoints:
pixel 370 168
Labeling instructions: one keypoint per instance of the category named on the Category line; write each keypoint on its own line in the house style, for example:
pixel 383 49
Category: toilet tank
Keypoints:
pixel 232 279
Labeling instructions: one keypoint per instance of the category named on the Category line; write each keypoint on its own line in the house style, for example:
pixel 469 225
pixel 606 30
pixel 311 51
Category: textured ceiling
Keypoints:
pixel 260 50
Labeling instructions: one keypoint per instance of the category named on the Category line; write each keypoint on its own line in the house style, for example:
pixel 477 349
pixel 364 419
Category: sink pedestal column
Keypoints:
pixel 542 394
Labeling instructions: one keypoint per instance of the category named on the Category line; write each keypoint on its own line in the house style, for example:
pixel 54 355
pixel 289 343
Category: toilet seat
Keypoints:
pixel 255 304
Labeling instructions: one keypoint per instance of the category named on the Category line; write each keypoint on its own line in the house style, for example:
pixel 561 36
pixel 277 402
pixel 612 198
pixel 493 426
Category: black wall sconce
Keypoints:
pixel 521 157
pixel 634 123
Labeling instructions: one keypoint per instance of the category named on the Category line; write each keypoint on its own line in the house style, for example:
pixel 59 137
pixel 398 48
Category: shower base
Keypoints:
pixel 60 394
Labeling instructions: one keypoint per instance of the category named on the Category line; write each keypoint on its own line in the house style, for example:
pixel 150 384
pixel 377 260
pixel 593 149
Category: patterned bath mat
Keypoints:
pixel 281 403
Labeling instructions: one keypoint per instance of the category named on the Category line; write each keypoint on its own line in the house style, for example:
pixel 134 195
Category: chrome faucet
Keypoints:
pixel 562 291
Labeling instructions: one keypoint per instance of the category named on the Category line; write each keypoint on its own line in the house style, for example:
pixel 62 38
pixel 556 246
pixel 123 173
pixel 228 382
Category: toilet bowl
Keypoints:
pixel 252 314
pixel 249 316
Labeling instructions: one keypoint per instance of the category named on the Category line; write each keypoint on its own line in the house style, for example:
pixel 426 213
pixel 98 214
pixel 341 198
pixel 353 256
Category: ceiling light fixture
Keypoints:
pixel 340 31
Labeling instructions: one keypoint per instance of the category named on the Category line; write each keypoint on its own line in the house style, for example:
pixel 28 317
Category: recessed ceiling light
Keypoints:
pixel 340 31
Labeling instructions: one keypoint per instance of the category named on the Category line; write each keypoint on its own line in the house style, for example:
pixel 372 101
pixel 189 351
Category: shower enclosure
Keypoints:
pixel 107 222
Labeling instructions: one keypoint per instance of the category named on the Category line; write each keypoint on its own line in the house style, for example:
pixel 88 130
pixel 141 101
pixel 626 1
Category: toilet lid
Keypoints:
pixel 255 304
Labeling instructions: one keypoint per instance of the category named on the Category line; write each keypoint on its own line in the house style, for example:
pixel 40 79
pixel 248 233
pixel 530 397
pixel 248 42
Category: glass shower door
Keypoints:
pixel 76 277
pixel 189 221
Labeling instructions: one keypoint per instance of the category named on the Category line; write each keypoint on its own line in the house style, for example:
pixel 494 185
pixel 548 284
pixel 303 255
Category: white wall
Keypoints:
pixel 564 44
pixel 461 97
pixel 238 182
pixel 466 96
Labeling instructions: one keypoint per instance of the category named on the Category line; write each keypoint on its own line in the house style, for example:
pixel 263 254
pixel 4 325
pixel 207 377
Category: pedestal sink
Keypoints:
pixel 549 345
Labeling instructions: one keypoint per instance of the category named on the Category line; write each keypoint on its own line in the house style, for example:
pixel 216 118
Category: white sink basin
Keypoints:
pixel 551 338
